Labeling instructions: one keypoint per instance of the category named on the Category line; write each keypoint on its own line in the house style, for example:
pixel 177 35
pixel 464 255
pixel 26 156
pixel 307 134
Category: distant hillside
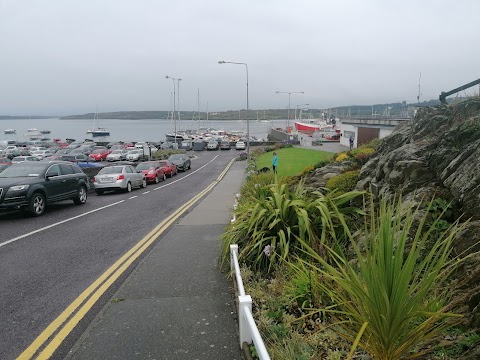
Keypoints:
pixel 393 109
pixel 11 117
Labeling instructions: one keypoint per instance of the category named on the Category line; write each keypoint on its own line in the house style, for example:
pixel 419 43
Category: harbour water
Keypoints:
pixel 129 130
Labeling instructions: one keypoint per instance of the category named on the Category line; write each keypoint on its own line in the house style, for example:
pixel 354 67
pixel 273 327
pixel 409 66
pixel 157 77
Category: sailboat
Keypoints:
pixel 97 131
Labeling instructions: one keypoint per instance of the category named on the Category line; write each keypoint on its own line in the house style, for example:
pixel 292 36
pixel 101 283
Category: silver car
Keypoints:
pixel 134 155
pixel 118 177
pixel 117 155
pixel 19 159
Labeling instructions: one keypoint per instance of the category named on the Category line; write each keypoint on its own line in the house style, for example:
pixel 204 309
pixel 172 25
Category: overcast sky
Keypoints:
pixel 73 56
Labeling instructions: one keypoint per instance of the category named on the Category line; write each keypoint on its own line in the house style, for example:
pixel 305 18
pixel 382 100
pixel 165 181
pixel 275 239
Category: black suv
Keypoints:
pixel 33 185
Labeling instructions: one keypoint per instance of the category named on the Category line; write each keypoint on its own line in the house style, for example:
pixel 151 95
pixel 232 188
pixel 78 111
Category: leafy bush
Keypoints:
pixel 362 150
pixel 344 182
pixel 389 300
pixel 273 222
pixel 341 157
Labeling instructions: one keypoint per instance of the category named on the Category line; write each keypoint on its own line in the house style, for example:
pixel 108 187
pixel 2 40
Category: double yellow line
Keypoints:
pixel 87 299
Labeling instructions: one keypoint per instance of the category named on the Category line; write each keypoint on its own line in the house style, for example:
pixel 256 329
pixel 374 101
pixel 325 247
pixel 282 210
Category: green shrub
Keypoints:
pixel 390 300
pixel 308 169
pixel 321 164
pixel 344 182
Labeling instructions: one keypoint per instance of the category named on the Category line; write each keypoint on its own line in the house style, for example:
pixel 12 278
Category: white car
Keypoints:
pixel 42 154
pixel 117 155
pixel 134 155
pixel 19 159
pixel 240 145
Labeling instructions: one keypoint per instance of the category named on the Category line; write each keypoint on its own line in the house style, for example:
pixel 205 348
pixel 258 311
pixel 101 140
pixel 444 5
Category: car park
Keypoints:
pixel 118 177
pixel 34 185
pixel 240 145
pixel 152 170
pixel 168 168
pixel 181 161
pixel 117 155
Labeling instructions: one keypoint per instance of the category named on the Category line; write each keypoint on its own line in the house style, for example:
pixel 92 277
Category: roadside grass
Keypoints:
pixel 292 161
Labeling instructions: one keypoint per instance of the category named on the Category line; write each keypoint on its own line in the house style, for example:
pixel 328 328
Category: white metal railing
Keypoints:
pixel 247 328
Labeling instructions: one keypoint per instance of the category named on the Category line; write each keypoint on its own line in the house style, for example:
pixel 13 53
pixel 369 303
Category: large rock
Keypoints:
pixel 439 149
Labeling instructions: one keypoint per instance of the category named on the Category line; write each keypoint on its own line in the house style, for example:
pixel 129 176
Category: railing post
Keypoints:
pixel 233 249
pixel 244 302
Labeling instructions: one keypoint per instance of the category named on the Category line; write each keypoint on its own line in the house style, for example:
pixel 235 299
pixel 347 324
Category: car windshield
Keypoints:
pixel 99 151
pixel 134 152
pixel 145 166
pixel 111 170
pixel 175 157
pixel 22 170
pixel 117 152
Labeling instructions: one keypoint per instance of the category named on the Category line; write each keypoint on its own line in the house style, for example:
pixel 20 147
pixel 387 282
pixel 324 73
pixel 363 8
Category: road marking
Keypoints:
pixel 146 192
pixel 101 285
pixel 191 173
pixel 58 223
pixel 132 197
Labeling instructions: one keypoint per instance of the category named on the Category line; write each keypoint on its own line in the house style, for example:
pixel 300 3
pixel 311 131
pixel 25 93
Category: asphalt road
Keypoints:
pixel 46 262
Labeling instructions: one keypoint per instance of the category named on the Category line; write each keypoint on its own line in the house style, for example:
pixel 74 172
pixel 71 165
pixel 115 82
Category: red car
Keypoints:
pixel 168 168
pixel 152 170
pixel 99 155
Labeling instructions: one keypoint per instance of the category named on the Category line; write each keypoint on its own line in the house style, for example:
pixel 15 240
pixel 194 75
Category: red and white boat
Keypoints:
pixel 310 125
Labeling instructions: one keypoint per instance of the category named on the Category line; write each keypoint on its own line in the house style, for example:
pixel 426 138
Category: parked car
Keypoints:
pixel 134 155
pixel 240 145
pixel 80 150
pixel 99 155
pixel 181 161
pixel 152 170
pixel 168 168
pixel 34 185
pixel 212 145
pixel 73 158
pixel 117 147
pixel 42 154
pixel 63 151
pixel 117 155
pixel 225 145
pixel 118 177
pixel 19 159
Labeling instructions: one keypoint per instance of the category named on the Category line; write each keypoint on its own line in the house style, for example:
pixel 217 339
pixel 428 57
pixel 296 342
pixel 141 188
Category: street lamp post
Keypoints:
pixel 289 93
pixel 174 117
pixel 296 109
pixel 248 119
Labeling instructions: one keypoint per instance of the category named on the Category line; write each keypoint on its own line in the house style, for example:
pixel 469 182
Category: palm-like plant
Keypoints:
pixel 390 299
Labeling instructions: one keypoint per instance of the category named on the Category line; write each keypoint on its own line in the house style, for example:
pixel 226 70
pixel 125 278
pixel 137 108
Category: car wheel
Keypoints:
pixel 99 191
pixel 36 207
pixel 144 183
pixel 82 196
pixel 157 180
pixel 129 187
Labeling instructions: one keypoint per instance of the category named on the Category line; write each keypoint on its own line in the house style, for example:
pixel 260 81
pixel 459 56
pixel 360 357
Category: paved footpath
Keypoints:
pixel 176 304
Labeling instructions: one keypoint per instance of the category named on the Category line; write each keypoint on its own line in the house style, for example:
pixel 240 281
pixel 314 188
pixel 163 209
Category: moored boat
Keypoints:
pixel 9 131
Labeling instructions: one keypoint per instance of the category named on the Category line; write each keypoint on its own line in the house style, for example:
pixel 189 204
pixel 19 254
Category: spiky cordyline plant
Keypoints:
pixel 390 299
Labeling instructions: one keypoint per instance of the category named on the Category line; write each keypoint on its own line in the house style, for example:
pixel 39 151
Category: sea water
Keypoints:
pixel 129 130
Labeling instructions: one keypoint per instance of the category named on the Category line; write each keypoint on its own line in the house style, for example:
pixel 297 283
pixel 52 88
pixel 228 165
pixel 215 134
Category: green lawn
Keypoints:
pixel 292 161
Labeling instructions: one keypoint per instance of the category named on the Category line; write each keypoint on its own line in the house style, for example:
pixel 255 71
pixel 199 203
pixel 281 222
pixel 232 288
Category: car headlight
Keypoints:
pixel 19 187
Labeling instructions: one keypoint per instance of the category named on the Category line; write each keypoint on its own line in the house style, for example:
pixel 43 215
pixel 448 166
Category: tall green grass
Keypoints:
pixel 391 297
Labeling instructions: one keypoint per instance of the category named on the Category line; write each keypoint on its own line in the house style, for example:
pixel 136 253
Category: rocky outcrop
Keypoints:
pixel 438 152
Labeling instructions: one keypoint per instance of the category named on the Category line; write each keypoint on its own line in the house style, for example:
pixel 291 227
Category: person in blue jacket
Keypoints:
pixel 275 162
